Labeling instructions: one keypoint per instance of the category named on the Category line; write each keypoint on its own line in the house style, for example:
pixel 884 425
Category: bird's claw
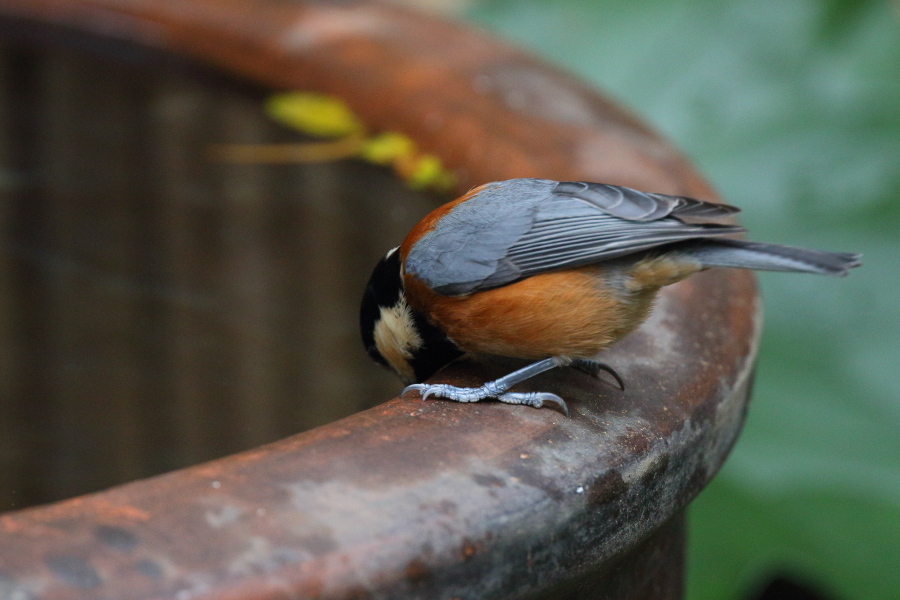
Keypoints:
pixel 460 394
pixel 535 400
pixel 594 368
pixel 450 392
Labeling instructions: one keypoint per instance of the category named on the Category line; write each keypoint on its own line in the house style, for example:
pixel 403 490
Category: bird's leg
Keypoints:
pixel 498 388
pixel 594 368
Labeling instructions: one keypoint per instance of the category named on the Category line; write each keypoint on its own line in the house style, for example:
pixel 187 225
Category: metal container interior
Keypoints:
pixel 160 308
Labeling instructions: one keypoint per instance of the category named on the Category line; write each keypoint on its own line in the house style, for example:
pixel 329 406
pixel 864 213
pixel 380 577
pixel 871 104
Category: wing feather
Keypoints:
pixel 634 205
pixel 522 227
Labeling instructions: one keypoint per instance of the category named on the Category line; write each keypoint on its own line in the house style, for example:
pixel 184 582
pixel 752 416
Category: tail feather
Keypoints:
pixel 770 257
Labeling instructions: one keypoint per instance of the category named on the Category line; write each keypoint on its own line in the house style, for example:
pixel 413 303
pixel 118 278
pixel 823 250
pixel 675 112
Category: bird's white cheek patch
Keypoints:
pixel 397 339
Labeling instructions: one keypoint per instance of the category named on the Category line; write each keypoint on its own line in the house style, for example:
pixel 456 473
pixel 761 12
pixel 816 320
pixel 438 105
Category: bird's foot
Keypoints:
pixel 488 390
pixel 594 368
pixel 534 399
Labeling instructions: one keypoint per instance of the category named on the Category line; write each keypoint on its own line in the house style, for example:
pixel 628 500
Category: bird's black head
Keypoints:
pixel 396 335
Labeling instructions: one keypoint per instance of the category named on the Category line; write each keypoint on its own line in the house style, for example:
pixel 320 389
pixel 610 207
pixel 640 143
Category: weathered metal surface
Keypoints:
pixel 413 499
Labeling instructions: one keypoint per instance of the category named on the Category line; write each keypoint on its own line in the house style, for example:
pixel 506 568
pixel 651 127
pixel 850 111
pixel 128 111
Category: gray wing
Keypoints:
pixel 634 205
pixel 522 227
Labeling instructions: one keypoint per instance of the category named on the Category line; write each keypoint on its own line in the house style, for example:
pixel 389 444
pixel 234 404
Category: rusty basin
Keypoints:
pixel 161 312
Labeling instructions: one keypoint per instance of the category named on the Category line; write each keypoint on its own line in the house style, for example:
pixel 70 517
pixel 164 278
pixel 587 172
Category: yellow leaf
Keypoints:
pixel 315 114
pixel 428 173
pixel 387 148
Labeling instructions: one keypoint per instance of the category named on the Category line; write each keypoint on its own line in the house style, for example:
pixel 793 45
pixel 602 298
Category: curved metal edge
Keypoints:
pixel 412 499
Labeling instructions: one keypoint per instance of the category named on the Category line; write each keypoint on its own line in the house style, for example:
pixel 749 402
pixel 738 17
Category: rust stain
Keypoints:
pixel 470 548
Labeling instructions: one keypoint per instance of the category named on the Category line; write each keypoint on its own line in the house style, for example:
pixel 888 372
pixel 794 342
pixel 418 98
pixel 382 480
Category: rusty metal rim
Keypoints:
pixel 411 499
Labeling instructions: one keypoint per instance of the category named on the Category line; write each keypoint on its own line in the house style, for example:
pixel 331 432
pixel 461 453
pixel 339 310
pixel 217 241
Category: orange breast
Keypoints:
pixel 568 313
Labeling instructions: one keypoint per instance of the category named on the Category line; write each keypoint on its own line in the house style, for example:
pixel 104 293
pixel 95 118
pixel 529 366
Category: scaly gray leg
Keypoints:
pixel 498 388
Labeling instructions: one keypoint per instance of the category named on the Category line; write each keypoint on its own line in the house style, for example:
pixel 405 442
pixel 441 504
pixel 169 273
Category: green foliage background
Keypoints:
pixel 792 110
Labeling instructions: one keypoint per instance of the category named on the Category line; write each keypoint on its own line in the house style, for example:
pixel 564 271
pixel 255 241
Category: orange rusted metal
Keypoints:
pixel 413 499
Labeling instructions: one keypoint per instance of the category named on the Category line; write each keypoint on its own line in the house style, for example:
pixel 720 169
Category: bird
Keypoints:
pixel 547 271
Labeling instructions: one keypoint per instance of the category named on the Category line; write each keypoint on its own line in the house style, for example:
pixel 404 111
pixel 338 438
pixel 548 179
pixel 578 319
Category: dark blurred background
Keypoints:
pixel 792 111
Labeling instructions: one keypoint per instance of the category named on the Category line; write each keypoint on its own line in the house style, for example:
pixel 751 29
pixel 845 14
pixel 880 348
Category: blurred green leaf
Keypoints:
pixel 792 110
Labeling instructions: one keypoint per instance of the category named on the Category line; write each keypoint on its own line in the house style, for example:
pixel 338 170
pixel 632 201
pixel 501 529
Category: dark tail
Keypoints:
pixel 770 257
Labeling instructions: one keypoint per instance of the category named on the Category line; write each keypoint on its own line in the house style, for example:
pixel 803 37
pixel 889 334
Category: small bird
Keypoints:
pixel 548 271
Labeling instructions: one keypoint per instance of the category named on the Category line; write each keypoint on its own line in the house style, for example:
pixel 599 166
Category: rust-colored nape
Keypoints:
pixel 431 219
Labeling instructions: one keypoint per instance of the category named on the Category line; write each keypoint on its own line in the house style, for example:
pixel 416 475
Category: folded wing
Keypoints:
pixel 523 227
